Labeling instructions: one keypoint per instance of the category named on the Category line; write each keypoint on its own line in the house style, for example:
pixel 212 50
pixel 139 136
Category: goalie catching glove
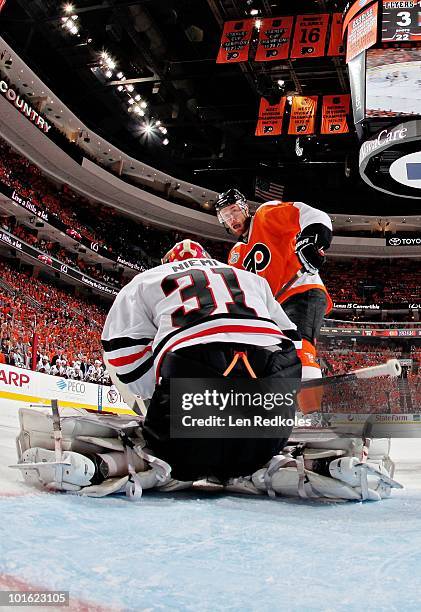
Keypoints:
pixel 310 246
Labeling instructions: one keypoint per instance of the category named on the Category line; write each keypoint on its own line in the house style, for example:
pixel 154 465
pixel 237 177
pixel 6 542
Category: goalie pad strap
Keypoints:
pixel 278 461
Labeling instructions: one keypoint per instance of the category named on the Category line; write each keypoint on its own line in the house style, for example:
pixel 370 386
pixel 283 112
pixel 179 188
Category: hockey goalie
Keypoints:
pixel 193 317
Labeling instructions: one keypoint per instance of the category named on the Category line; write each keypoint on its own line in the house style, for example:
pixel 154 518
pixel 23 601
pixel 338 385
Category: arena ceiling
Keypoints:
pixel 167 49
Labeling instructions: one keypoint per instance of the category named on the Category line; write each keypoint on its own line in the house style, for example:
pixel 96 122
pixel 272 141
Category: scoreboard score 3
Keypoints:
pixel 401 20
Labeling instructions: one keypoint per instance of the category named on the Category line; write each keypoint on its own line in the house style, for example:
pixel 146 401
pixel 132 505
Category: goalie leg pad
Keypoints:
pixel 297 481
pixel 82 432
pixel 340 468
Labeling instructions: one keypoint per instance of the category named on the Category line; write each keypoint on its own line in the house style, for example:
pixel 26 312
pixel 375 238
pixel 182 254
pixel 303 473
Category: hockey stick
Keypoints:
pixel 391 368
pixel 291 281
pixel 58 438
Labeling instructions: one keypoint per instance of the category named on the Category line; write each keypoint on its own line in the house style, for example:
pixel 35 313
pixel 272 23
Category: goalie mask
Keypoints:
pixel 187 249
pixel 232 211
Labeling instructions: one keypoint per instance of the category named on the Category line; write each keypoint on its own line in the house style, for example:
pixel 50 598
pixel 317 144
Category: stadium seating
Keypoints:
pixel 67 327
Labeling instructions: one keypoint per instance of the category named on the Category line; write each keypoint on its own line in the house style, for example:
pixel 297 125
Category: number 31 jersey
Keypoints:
pixel 182 304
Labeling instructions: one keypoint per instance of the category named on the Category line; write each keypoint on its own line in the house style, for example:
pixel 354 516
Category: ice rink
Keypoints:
pixel 212 552
pixel 394 88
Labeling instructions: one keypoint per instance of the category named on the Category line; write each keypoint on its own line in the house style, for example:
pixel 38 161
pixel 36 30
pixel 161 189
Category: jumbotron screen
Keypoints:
pixel 393 82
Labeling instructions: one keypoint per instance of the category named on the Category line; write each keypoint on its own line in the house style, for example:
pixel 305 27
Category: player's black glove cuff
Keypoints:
pixel 310 246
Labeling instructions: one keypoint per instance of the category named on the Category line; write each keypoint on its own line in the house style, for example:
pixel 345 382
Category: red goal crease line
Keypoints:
pixel 12 583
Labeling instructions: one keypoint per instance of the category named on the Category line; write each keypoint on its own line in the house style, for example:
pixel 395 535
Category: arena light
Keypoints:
pixel 137 97
pixel 254 12
pixel 258 24
pixel 110 63
pixel 120 75
pixel 143 104
pixel 165 141
pixel 147 128
pixel 69 24
pixel 120 88
pixel 69 8
pixel 129 88
pixel 109 74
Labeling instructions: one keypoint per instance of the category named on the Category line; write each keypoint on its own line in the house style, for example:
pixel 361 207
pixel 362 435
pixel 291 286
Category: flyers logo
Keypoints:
pixel 258 258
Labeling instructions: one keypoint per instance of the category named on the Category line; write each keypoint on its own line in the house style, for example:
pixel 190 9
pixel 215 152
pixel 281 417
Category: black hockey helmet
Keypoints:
pixel 231 196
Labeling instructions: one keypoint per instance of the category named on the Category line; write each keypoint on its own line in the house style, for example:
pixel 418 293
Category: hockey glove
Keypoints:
pixel 310 246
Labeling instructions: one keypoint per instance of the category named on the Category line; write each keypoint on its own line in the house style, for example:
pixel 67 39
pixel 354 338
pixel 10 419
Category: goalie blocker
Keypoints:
pixel 103 454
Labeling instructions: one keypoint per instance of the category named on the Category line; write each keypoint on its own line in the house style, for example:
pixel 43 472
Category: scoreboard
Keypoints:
pixel 401 20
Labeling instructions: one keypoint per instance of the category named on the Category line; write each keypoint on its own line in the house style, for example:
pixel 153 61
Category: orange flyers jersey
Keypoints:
pixel 270 248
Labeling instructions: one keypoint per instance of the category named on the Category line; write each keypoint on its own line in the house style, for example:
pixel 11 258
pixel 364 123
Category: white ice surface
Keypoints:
pixel 401 95
pixel 214 552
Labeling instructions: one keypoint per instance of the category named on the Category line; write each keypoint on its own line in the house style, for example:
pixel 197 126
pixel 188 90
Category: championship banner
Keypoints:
pixel 335 111
pixel 235 41
pixel 270 118
pixel 336 46
pixel 310 36
pixel 274 39
pixel 2 3
pixel 303 115
pixel 362 32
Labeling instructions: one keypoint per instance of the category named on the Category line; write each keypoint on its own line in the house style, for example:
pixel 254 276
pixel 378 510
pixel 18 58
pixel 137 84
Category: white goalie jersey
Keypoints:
pixel 186 303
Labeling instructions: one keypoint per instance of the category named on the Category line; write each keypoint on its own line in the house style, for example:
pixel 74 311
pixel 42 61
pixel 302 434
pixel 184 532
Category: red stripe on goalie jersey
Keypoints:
pixel 126 359
pixel 223 329
pixel 270 250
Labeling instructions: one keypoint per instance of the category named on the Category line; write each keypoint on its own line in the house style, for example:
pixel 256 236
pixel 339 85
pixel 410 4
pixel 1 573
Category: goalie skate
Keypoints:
pixel 71 474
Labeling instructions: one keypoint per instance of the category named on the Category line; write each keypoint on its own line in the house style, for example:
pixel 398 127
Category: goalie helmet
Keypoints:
pixel 187 249
pixel 232 196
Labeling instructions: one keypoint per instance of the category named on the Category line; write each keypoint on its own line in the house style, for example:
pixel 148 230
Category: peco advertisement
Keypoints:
pixel 35 387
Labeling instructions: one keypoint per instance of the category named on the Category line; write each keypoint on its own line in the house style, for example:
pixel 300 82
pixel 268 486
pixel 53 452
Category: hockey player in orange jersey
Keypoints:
pixel 278 241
